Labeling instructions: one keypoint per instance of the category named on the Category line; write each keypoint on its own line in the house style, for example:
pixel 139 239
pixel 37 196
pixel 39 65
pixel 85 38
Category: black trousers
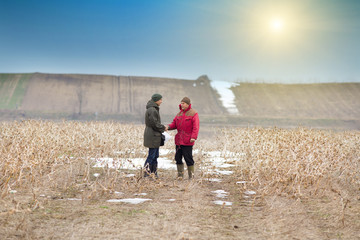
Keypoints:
pixel 186 152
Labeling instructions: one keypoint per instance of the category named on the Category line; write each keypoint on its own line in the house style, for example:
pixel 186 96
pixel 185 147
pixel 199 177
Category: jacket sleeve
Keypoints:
pixel 154 122
pixel 196 126
pixel 172 125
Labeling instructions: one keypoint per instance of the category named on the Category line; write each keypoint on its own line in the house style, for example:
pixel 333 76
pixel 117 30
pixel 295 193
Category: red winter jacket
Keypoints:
pixel 187 124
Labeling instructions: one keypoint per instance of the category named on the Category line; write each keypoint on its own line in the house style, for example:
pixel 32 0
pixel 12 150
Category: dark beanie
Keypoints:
pixel 186 100
pixel 156 97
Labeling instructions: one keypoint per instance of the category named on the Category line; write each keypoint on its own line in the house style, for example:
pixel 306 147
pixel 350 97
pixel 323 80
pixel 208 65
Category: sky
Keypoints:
pixel 228 40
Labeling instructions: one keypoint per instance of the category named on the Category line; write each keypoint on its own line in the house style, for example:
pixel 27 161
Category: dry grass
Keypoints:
pixel 45 161
pixel 60 155
pixel 288 162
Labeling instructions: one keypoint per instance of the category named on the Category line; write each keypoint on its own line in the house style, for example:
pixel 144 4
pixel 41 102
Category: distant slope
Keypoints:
pixel 12 90
pixel 102 97
pixel 102 94
pixel 307 101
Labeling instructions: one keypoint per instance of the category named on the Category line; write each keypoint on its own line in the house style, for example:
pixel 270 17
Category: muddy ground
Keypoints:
pixel 179 210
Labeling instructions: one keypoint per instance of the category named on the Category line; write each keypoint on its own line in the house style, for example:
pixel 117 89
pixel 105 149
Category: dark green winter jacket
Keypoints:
pixel 154 128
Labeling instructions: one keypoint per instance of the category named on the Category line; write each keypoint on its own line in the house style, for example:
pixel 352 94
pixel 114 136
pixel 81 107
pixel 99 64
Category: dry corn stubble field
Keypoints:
pixel 305 184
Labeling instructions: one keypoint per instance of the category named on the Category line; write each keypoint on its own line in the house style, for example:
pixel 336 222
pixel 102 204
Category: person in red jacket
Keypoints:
pixel 187 124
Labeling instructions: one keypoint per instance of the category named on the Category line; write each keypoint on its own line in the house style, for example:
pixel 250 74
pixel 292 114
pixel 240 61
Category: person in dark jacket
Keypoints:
pixel 152 133
pixel 187 124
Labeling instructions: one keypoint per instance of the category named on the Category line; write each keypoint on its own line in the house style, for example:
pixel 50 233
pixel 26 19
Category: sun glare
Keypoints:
pixel 276 25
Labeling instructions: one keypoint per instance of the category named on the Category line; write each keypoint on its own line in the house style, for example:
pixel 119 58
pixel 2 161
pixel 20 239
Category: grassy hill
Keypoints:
pixel 83 96
pixel 324 104
pixel 103 97
pixel 12 90
pixel 326 100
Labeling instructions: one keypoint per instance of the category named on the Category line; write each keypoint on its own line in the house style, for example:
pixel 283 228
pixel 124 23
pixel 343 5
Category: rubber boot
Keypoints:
pixel 180 169
pixel 191 170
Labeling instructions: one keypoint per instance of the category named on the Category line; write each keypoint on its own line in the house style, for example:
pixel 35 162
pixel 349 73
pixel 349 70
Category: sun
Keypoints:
pixel 276 25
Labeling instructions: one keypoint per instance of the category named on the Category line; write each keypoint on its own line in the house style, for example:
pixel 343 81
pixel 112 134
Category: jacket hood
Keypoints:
pixel 150 104
pixel 186 109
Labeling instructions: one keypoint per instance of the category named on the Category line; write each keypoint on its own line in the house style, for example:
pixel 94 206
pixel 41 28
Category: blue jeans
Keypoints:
pixel 152 157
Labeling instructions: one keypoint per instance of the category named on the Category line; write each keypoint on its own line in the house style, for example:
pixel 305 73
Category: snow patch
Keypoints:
pixel 219 202
pixel 248 192
pixel 226 165
pixel 131 163
pixel 226 95
pixel 224 172
pixel 130 175
pixel 240 182
pixel 140 194
pixel 129 200
pixel 215 180
pixel 221 193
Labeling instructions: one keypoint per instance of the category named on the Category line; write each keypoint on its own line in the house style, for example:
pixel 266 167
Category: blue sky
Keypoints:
pixel 225 39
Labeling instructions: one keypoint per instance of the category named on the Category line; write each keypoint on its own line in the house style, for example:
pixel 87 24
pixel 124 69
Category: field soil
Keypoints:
pixel 179 209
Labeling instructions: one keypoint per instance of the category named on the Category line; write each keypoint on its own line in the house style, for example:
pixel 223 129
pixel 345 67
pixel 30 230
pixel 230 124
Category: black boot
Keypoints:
pixel 153 169
pixel 147 170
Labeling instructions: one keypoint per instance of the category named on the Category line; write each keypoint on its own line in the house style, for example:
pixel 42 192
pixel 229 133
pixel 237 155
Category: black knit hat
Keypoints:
pixel 156 97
